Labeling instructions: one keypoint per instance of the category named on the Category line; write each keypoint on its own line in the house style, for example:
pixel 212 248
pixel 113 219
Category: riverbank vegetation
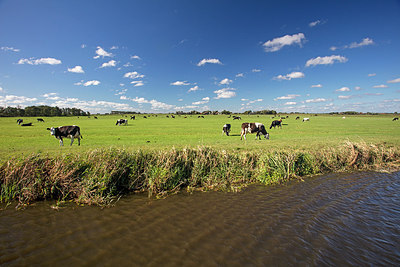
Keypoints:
pixel 102 175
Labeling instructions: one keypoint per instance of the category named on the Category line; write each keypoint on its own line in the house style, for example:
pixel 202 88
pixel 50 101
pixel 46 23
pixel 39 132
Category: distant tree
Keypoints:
pixel 226 112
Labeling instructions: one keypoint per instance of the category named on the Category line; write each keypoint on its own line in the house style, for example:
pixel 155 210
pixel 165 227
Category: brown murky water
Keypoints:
pixel 328 220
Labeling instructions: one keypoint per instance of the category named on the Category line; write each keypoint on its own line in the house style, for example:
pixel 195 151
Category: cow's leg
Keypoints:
pixel 72 140
pixel 61 141
pixel 79 140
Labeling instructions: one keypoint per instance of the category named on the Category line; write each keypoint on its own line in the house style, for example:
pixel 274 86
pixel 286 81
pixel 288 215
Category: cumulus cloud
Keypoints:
pixel 133 75
pixel 51 96
pixel 88 83
pixel 255 70
pixel 15 100
pixel 180 83
pixel 12 49
pixel 193 89
pixel 76 69
pixel 1 89
pixel 314 23
pixel 371 74
pixel 111 63
pixel 316 100
pixel 204 100
pixel 100 52
pixel 210 61
pixel 380 86
pixel 290 103
pixel 343 89
pixel 225 93
pixel 278 43
pixel 328 60
pixel 155 105
pixel 137 83
pixel 286 97
pixel 40 61
pixel 225 81
pixel 345 96
pixel 293 75
pixel 364 42
pixel 316 86
pixel 394 81
pixel 239 75
pixel 135 57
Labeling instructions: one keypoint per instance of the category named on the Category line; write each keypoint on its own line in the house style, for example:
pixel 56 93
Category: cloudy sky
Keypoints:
pixel 167 56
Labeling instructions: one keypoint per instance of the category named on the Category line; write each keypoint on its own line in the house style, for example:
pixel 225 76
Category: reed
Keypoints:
pixel 101 176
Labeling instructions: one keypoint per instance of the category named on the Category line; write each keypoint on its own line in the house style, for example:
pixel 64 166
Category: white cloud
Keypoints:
pixel 111 63
pixel 345 96
pixel 210 61
pixel 225 93
pixel 239 75
pixel 6 48
pixel 15 100
pixel 133 75
pixel 100 52
pixel 286 97
pixel 137 83
pixel 328 60
pixel 314 23
pixel 225 81
pixel 155 105
pixel 371 74
pixel 76 69
pixel 278 43
pixel 255 70
pixel 193 89
pixel 88 83
pixel 357 88
pixel 394 81
pixel 316 100
pixel 380 86
pixel 51 96
pixel 135 57
pixel 316 86
pixel 180 83
pixel 1 89
pixel 47 60
pixel 293 75
pixel 290 103
pixel 83 45
pixel 113 47
pixel 205 100
pixel 364 42
pixel 343 89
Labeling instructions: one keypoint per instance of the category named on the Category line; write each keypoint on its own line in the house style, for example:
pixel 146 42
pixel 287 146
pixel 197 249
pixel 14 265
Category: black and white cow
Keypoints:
pixel 226 129
pixel 26 124
pixel 306 119
pixel 122 121
pixel 40 120
pixel 133 117
pixel 236 118
pixel 252 127
pixel 395 119
pixel 276 123
pixel 66 132
pixel 19 121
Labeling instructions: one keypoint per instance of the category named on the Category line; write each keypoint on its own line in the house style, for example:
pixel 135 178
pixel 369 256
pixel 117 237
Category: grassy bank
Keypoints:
pixel 102 175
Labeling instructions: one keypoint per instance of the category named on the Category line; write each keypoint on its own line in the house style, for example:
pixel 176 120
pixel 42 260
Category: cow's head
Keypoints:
pixel 52 130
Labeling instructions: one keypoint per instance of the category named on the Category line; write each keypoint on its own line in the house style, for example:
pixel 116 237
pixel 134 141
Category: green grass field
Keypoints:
pixel 164 133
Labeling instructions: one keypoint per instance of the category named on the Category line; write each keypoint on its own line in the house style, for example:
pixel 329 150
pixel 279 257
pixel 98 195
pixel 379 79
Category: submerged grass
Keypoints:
pixel 101 176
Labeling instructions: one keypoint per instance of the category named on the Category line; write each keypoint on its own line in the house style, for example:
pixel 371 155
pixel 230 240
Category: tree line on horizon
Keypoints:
pixel 41 111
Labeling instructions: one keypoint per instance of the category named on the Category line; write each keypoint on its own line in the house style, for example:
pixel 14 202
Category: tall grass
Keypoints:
pixel 100 176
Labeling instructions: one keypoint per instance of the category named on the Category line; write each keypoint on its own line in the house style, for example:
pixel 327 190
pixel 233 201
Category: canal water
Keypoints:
pixel 338 219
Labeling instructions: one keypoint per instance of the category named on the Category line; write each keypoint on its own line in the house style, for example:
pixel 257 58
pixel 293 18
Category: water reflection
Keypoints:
pixel 327 220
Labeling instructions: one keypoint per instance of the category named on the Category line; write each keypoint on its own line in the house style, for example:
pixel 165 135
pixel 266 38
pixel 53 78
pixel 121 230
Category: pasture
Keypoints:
pixel 159 133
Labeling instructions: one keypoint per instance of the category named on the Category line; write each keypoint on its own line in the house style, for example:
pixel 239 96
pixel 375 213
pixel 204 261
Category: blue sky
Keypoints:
pixel 168 56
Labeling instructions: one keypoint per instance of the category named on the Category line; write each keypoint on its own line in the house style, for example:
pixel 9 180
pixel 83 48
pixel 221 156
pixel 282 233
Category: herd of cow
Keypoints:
pixel 73 131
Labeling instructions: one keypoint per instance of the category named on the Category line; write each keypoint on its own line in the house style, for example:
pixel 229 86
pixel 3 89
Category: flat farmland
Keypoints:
pixel 157 132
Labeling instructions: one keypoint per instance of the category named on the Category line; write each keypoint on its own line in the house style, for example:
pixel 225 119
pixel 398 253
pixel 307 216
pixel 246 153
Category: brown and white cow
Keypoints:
pixel 254 127
pixel 67 132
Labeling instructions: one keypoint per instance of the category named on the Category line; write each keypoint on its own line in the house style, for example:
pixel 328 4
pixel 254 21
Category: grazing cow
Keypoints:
pixel 276 123
pixel 172 116
pixel 122 121
pixel 226 129
pixel 67 132
pixel 133 117
pixel 95 117
pixel 252 127
pixel 40 120
pixel 201 116
pixel 19 121
pixel 306 119
pixel 27 124
pixel 343 117
pixel 144 117
pixel 297 118
pixel 395 119
pixel 236 118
